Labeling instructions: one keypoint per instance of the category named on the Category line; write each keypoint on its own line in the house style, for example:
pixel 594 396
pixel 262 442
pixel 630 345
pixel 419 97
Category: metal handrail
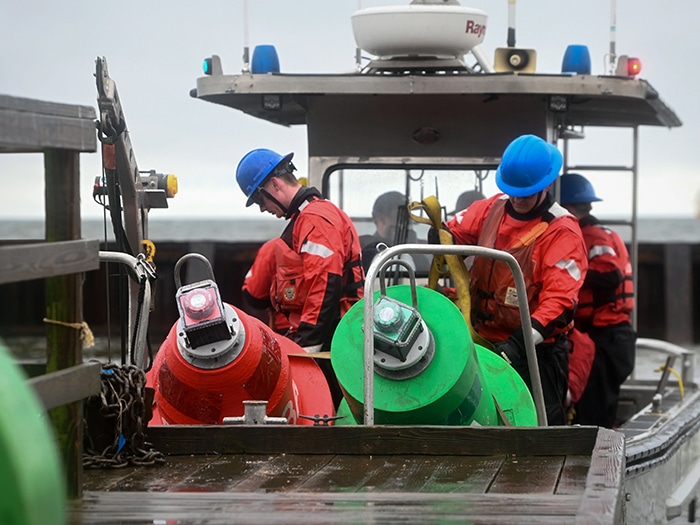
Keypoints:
pixel 139 270
pixel 687 356
pixel 464 251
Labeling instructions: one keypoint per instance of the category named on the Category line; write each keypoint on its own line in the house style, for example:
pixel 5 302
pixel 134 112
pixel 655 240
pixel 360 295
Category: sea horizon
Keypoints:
pixel 655 230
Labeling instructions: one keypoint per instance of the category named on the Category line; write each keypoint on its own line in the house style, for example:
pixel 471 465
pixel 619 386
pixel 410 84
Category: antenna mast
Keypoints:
pixel 613 29
pixel 511 23
pixel 246 37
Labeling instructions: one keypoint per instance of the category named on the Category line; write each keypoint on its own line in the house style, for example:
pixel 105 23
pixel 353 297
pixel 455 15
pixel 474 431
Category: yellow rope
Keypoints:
pixel 457 269
pixel 678 376
pixel 86 336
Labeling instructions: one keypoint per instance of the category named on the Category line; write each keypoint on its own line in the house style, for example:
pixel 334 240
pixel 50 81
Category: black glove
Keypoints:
pixel 513 348
pixel 433 236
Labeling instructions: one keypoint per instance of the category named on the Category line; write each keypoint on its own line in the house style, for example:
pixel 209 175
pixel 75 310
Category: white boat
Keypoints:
pixel 433 117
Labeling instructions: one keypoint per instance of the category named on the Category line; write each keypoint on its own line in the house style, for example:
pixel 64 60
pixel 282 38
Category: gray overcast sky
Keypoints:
pixel 154 50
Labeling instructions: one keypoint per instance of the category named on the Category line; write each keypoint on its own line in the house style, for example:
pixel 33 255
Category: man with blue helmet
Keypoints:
pixel 546 241
pixel 606 300
pixel 319 273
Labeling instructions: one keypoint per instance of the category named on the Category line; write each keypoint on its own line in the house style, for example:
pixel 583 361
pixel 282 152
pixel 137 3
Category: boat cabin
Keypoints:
pixel 429 124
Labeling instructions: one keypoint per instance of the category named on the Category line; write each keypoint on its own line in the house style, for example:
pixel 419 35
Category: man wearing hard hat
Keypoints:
pixel 319 273
pixel 546 241
pixel 606 300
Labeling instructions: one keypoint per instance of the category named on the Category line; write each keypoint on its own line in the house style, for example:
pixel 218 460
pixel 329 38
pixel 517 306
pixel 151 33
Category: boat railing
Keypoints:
pixel 378 264
pixel 673 352
pixel 142 273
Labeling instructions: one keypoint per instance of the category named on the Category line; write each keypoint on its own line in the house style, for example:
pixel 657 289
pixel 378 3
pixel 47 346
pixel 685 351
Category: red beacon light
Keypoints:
pixel 628 66
pixel 202 313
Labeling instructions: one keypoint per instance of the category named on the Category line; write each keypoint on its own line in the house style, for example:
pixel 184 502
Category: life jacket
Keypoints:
pixel 292 287
pixel 495 310
pixel 288 291
pixel 605 306
pixel 495 314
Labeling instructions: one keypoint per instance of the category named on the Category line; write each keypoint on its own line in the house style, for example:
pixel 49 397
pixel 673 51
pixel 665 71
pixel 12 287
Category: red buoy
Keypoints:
pixel 216 357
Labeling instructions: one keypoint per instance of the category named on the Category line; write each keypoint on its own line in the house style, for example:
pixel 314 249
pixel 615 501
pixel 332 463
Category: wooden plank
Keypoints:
pixel 601 499
pixel 106 479
pixel 351 474
pixel 68 385
pixel 28 125
pixel 432 474
pixel 37 261
pixel 43 107
pixel 315 508
pixel 303 473
pixel 384 440
pixel 140 478
pixel 573 475
pixel 282 473
pixel 528 475
pixel 464 474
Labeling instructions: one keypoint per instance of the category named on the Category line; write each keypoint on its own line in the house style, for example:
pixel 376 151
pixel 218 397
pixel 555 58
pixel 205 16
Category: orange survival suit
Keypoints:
pixel 549 248
pixel 606 300
pixel 319 269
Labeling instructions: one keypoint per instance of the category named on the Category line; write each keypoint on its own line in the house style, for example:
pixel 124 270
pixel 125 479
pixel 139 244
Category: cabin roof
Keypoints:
pixel 591 100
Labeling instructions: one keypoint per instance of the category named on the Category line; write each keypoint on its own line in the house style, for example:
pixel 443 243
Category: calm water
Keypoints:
pixel 651 230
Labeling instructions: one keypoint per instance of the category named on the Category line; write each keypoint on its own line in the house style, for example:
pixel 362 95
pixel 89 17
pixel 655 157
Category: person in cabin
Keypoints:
pixel 606 300
pixel 319 273
pixel 546 241
pixel 390 217
pixel 256 289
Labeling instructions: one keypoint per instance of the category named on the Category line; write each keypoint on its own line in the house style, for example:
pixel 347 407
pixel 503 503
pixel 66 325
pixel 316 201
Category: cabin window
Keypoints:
pixel 355 190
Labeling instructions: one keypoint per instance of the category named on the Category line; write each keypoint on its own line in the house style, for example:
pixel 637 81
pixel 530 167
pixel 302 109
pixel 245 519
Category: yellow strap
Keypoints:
pixel 455 264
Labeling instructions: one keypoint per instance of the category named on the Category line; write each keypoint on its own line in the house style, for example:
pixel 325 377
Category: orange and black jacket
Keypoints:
pixel 549 247
pixel 607 294
pixel 319 268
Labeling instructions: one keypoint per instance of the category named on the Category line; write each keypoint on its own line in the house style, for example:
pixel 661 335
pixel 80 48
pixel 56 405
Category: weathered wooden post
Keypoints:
pixel 64 305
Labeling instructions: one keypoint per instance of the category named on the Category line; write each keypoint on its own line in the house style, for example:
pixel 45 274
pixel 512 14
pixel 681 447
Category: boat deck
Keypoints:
pixel 436 475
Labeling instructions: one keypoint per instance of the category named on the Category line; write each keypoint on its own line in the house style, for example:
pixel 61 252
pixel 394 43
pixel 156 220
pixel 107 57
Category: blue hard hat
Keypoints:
pixel 255 167
pixel 576 188
pixel 529 164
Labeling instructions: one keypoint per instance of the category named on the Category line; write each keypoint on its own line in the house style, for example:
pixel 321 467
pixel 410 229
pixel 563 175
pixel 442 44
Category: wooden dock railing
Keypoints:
pixel 60 132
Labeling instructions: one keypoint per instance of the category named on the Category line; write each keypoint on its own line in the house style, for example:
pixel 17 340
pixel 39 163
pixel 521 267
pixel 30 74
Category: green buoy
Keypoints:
pixel 427 369
pixel 31 481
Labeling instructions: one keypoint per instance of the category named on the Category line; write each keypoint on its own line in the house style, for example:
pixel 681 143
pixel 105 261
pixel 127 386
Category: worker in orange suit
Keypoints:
pixel 606 301
pixel 546 241
pixel 319 273
pixel 257 285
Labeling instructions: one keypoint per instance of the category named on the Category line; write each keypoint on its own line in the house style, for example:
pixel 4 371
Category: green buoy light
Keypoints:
pixel 427 369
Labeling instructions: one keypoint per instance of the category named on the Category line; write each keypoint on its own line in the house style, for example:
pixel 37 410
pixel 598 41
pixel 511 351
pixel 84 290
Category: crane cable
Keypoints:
pixel 448 265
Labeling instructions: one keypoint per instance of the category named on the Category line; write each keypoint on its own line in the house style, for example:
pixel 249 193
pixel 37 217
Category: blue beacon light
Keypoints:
pixel 577 59
pixel 265 60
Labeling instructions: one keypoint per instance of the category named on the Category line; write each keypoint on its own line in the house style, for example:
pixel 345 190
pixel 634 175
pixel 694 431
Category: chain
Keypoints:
pixel 115 421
